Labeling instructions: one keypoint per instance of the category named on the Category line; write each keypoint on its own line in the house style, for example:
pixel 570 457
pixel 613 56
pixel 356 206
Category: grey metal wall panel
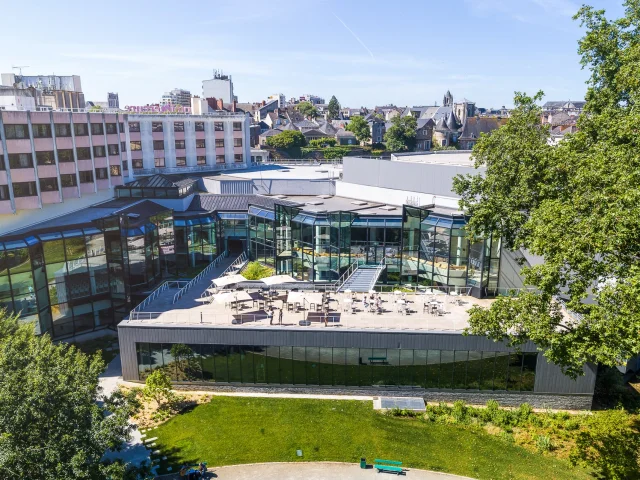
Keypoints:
pixel 550 379
pixel 412 176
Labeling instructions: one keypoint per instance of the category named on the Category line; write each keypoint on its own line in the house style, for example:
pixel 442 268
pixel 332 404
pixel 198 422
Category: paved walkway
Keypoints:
pixel 165 301
pixel 310 471
pixel 134 451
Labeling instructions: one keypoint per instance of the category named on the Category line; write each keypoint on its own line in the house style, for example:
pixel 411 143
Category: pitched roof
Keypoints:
pixel 345 133
pixel 441 125
pixel 306 124
pixel 474 126
pixel 271 133
pixel 162 180
pixel 426 122
pixel 288 126
pixel 314 132
pixel 328 128
pixel 452 123
pixel 211 202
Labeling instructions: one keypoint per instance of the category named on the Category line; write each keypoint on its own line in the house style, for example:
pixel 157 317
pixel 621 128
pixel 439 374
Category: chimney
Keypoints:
pixel 234 106
pixel 263 103
pixel 212 103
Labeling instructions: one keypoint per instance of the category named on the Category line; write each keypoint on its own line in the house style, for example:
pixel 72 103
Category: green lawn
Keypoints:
pixel 234 430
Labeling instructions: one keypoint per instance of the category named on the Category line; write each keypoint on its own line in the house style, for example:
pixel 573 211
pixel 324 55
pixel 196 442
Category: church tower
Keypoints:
pixel 448 100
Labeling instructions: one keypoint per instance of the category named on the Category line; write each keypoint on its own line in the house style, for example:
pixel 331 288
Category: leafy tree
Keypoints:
pixel 95 108
pixel 334 108
pixel 287 139
pixel 360 128
pixel 51 425
pixel 307 109
pixel 576 205
pixel 256 271
pixel 323 142
pixel 402 133
pixel 610 444
pixel 157 387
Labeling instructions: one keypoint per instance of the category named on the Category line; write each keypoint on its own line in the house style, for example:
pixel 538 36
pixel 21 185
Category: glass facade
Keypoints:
pixel 437 251
pixel 195 242
pixel 351 367
pixel 262 235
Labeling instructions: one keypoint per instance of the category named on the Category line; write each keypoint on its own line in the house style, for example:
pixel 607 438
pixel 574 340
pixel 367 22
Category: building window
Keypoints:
pixel 237 158
pixel 125 166
pixel 63 130
pixel 84 153
pixel 113 149
pixel 45 158
pixel 181 161
pixel 156 127
pixel 179 144
pixel 14 132
pixel 4 192
pixel 237 142
pixel 202 143
pixel 220 159
pixel 115 171
pixel 134 126
pixel 41 130
pixel 159 162
pixel 25 189
pixel 98 151
pixel 69 180
pixel 101 174
pixel 81 129
pixel 20 160
pixel 97 129
pixel 112 128
pixel 158 144
pixel 219 142
pixel 218 126
pixel 178 127
pixel 121 127
pixel 237 126
pixel 65 156
pixel 137 163
pixel 85 176
pixel 202 160
pixel 199 126
pixel 49 184
pixel 135 145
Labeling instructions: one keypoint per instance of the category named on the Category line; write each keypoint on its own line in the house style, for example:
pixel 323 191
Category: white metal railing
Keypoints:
pixel 199 277
pixel 156 293
pixel 193 168
pixel 379 268
pixel 237 264
pixel 345 276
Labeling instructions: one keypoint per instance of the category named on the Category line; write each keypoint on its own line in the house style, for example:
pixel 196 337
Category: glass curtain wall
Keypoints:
pixel 351 367
pixel 195 242
pixel 437 251
pixel 376 239
pixel 262 235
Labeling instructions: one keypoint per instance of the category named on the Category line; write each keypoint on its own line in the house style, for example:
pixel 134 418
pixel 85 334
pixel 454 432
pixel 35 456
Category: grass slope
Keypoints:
pixel 235 430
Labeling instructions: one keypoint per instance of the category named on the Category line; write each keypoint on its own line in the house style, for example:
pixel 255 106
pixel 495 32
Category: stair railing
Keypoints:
pixel 199 277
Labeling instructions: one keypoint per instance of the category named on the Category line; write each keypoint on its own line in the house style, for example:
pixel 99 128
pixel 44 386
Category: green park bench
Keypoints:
pixel 390 466
pixel 377 359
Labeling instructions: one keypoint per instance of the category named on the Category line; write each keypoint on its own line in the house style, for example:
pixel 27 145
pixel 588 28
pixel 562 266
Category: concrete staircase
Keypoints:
pixel 164 302
pixel 362 279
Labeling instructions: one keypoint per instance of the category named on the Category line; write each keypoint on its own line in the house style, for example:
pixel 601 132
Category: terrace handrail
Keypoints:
pixel 199 277
pixel 379 268
pixel 156 293
pixel 242 258
pixel 343 278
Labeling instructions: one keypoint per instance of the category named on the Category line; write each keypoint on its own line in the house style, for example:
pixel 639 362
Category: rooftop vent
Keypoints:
pixel 387 207
pixel 358 202
pixel 313 202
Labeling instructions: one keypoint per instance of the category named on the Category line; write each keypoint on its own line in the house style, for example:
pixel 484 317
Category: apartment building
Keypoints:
pixel 52 157
pixel 188 143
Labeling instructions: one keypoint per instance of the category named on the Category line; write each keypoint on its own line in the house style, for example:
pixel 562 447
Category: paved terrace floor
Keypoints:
pixel 189 312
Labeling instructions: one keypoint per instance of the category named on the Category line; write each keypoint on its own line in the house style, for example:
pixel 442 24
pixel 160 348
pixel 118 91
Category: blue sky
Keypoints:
pixel 407 52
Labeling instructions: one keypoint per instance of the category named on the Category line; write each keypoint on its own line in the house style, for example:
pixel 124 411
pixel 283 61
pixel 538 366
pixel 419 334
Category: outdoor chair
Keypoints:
pixel 312 307
pixel 261 304
pixel 290 307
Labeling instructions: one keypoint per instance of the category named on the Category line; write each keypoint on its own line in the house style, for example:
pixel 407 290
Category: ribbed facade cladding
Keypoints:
pixel 549 379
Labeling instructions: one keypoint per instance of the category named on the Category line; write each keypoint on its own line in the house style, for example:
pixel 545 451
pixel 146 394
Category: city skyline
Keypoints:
pixel 473 49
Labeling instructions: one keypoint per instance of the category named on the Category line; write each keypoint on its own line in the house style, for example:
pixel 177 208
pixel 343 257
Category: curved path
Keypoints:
pixel 315 471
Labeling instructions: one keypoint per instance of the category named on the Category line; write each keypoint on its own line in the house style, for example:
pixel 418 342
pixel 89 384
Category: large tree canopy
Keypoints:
pixel 51 425
pixel 333 110
pixel 402 133
pixel 360 128
pixel 577 205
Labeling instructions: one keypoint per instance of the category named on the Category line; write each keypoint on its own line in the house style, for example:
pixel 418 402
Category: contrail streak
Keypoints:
pixel 354 35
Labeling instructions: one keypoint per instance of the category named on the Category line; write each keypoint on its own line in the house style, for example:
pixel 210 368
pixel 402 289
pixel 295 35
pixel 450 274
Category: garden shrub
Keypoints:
pixel 543 443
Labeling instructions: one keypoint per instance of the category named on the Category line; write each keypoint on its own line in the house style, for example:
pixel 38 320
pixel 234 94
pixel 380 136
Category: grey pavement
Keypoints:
pixel 133 451
pixel 313 471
